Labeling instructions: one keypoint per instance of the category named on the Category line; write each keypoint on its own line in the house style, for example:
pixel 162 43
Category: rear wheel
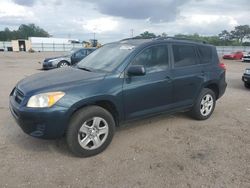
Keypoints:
pixel 204 105
pixel 90 131
pixel 247 85
pixel 63 64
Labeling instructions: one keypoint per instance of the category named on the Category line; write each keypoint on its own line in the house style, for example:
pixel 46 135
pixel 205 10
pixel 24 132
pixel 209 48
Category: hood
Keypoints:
pixel 59 57
pixel 62 78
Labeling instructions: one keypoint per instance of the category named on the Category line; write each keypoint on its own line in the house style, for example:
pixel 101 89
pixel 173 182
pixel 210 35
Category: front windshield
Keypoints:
pixel 106 58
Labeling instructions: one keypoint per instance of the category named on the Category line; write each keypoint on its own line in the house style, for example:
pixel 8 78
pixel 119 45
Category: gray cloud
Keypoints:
pixel 155 11
pixel 25 2
pixel 30 3
pixel 63 18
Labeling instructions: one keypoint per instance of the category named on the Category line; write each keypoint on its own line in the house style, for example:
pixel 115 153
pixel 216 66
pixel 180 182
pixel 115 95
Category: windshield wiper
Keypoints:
pixel 84 68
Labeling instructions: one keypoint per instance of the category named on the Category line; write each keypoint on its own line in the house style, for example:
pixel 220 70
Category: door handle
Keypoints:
pixel 168 78
pixel 202 73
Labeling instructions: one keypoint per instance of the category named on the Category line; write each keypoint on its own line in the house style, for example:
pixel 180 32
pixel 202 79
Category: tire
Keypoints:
pixel 63 64
pixel 204 105
pixel 90 131
pixel 247 85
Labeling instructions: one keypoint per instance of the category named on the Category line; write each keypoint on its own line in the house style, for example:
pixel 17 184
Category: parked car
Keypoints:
pixel 246 78
pixel 119 82
pixel 234 56
pixel 72 58
pixel 246 57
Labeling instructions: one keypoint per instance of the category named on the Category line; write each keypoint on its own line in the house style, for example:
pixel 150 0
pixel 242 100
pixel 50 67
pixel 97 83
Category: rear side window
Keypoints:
pixel 184 55
pixel 205 53
pixel 89 51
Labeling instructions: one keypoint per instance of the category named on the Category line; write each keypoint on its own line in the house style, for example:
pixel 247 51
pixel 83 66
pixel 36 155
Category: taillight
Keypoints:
pixel 222 65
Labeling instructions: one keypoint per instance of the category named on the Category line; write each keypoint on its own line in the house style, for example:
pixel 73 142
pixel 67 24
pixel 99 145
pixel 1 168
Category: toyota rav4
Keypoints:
pixel 121 81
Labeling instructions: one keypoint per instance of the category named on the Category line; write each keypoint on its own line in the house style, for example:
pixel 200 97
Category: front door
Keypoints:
pixel 78 56
pixel 151 93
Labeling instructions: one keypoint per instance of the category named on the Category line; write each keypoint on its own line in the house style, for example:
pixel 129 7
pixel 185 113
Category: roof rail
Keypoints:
pixel 132 38
pixel 180 38
pixel 167 38
pixel 138 38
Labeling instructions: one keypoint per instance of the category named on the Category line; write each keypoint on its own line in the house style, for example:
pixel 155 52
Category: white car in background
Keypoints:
pixel 246 57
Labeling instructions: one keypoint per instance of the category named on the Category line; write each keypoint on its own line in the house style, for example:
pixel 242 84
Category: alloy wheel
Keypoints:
pixel 93 133
pixel 206 106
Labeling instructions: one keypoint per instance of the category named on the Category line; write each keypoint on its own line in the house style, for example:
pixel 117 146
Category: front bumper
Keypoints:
pixel 246 59
pixel 246 78
pixel 47 123
pixel 48 65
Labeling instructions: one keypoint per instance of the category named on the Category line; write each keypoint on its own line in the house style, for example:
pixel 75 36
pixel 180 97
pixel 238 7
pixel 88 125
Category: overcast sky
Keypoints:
pixel 113 19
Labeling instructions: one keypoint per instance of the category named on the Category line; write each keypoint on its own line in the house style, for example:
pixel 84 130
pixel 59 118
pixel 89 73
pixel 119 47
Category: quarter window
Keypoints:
pixel 153 58
pixel 205 54
pixel 184 55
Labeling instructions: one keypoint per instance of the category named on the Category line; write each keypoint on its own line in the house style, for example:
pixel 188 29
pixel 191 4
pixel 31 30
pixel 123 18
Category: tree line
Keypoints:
pixel 23 32
pixel 235 37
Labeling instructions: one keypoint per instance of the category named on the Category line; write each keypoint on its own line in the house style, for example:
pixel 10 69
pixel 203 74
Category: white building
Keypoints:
pixel 45 44
pixel 51 40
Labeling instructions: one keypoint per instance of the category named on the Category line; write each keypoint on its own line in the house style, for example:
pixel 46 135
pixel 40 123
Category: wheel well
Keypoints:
pixel 64 61
pixel 110 107
pixel 214 88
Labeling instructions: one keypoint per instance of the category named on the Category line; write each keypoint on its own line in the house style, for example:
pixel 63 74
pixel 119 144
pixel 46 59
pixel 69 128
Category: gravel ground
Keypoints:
pixel 164 151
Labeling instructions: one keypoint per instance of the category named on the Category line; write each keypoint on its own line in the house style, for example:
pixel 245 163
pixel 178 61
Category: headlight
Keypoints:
pixel 45 99
pixel 51 60
pixel 247 71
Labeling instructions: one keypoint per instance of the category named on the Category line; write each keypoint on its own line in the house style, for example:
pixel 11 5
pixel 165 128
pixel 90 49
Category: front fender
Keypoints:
pixel 114 100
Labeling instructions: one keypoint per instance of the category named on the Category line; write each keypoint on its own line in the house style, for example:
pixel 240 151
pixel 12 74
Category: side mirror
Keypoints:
pixel 73 55
pixel 136 70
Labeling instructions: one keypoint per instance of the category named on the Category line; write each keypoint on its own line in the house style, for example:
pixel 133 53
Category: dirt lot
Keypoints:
pixel 165 151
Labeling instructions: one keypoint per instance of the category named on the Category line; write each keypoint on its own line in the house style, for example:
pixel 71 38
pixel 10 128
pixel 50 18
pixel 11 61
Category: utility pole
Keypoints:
pixel 132 33
pixel 94 35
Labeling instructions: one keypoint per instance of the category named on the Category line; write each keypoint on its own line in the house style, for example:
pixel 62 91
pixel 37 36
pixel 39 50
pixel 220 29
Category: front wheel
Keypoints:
pixel 63 64
pixel 90 131
pixel 204 105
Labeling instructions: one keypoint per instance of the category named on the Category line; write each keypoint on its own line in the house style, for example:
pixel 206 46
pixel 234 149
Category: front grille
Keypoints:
pixel 18 95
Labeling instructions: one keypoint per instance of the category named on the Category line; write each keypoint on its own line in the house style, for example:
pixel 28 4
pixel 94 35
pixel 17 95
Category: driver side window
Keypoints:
pixel 154 58
pixel 80 53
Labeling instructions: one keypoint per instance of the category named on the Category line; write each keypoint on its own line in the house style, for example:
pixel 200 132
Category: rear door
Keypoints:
pixel 187 74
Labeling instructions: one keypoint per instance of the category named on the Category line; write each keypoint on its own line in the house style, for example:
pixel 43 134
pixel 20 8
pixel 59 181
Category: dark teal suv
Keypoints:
pixel 121 81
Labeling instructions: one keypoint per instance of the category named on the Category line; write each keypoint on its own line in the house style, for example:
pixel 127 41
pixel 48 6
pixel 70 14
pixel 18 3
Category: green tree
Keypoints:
pixel 225 35
pixel 23 32
pixel 241 32
pixel 164 34
pixel 146 35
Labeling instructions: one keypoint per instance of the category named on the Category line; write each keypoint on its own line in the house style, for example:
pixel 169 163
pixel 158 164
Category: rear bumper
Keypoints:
pixel 49 123
pixel 223 87
pixel 228 57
